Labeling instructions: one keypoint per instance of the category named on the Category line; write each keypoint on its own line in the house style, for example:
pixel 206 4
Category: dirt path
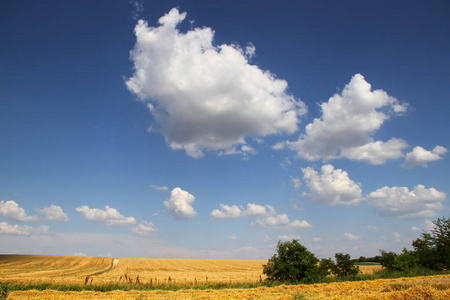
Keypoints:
pixel 113 266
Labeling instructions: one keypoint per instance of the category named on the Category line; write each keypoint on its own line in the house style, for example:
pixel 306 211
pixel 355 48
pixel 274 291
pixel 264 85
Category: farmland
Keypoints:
pixel 188 279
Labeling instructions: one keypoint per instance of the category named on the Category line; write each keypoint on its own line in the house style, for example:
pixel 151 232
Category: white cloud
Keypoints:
pixel 397 237
pixel 110 216
pixel 159 188
pixel 296 182
pixel 144 228
pixel 54 213
pixel 266 239
pixel 288 237
pixel 352 237
pixel 205 96
pixel 347 125
pixel 12 210
pixel 233 238
pixel 180 204
pixel 234 211
pixel 79 254
pixel 332 187
pixel 5 228
pixel 227 212
pixel 378 152
pixel 317 239
pixel 426 226
pixel 420 157
pixel 138 8
pixel 399 201
pixel 281 222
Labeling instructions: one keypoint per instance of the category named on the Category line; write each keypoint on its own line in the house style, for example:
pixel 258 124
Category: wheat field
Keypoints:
pixel 430 287
pixel 74 270
pixel 42 268
pixel 180 271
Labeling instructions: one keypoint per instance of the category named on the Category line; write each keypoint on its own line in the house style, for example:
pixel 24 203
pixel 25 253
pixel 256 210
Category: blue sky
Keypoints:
pixel 213 129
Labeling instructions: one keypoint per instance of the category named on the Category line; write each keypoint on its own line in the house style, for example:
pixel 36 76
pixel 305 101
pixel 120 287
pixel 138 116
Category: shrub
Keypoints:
pixel 344 267
pixel 292 262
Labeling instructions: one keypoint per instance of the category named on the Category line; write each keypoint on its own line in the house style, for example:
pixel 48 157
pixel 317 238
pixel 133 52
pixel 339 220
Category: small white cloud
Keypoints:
pixel 180 204
pixel 234 211
pixel 233 238
pixel 317 239
pixel 207 97
pixel 427 226
pixel 421 157
pixel 399 201
pixel 5 228
pixel 352 237
pixel 53 213
pixel 227 212
pixel 110 216
pixel 288 237
pixel 79 254
pixel 266 239
pixel 281 222
pixel 296 182
pixel 138 8
pixel 347 126
pixel 332 187
pixel 378 152
pixel 12 210
pixel 144 228
pixel 159 188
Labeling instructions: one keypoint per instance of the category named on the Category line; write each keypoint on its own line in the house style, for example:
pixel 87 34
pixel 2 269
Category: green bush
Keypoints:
pixel 344 266
pixel 292 262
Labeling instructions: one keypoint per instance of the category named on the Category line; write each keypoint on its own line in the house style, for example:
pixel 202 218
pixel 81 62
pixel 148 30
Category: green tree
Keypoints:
pixel 292 261
pixel 344 266
pixel 325 266
pixel 433 249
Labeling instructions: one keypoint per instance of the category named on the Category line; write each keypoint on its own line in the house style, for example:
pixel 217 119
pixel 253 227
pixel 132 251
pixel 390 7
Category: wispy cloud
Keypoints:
pixel 159 188
pixel 6 228
pixel 110 216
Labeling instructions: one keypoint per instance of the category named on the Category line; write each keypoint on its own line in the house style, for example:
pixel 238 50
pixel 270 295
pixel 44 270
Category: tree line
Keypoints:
pixel 294 262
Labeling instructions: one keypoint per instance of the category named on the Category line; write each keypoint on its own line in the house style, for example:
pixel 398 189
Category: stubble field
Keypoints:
pixel 192 273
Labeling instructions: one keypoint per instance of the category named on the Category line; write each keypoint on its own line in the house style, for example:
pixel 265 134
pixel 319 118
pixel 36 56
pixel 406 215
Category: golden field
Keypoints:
pixel 74 270
pixel 31 268
pixel 431 287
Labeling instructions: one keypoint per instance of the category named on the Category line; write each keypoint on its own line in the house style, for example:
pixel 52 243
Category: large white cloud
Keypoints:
pixel 110 216
pixel 5 228
pixel 12 210
pixel 399 201
pixel 234 211
pixel 347 125
pixel 420 157
pixel 281 222
pixel 205 96
pixel 332 187
pixel 180 204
